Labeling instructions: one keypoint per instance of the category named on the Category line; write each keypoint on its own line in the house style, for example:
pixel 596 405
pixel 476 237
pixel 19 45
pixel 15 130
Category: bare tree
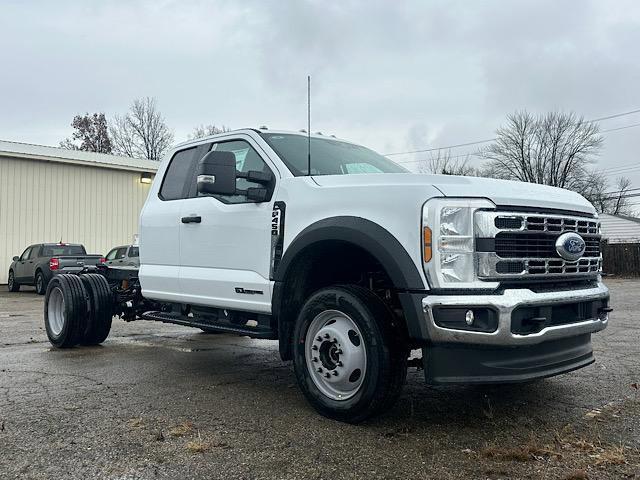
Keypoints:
pixel 441 162
pixel 614 202
pixel 553 149
pixel 206 130
pixel 91 131
pixel 142 132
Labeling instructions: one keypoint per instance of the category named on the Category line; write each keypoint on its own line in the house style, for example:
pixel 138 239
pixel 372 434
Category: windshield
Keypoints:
pixel 62 250
pixel 328 157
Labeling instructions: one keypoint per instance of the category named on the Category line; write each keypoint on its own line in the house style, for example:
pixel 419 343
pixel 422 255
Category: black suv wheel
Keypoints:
pixel 12 285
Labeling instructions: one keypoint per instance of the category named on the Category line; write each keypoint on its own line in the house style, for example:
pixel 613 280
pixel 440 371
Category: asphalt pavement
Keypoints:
pixel 161 401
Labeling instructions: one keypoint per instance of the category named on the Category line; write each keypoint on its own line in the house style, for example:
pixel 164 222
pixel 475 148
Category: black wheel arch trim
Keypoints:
pixel 369 236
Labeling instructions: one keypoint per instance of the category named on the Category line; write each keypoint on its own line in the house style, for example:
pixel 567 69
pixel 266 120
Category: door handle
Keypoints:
pixel 192 219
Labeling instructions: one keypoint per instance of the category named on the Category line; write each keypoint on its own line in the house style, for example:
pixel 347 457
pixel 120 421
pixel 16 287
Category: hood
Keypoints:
pixel 500 192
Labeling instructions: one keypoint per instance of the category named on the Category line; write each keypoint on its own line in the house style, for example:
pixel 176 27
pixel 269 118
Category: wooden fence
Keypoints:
pixel 621 259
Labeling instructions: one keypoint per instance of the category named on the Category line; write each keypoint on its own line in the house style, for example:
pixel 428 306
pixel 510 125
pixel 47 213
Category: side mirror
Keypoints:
pixel 16 258
pixel 217 173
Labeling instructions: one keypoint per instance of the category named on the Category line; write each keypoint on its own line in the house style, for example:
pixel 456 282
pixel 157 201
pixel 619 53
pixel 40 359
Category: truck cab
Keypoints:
pixel 351 262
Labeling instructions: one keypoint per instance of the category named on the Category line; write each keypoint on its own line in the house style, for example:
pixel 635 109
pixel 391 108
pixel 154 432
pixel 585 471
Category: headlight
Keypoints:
pixel 449 253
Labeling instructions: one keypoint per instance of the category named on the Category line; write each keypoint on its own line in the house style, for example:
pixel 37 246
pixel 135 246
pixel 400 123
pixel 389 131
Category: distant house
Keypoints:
pixel 620 228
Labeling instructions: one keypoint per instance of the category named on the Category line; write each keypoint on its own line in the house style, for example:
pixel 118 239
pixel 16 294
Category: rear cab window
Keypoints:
pixel 63 250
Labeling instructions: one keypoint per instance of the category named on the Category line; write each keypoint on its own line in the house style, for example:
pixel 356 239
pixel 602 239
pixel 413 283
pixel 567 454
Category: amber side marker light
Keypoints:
pixel 426 252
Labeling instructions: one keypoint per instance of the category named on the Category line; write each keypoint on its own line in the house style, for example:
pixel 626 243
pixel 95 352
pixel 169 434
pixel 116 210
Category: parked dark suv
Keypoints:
pixel 40 262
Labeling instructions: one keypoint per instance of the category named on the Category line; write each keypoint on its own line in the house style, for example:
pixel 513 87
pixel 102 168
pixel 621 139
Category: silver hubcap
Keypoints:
pixel 55 311
pixel 336 355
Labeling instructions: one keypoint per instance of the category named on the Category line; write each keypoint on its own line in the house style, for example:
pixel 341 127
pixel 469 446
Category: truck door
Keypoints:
pixel 225 245
pixel 30 264
pixel 21 266
pixel 160 228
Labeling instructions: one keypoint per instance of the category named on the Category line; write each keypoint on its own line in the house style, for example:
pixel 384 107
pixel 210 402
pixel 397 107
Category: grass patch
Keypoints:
pixel 521 453
pixel 181 430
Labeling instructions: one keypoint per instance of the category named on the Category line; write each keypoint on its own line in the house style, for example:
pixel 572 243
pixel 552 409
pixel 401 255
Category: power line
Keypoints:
pixel 621 128
pixel 479 154
pixel 441 148
pixel 477 142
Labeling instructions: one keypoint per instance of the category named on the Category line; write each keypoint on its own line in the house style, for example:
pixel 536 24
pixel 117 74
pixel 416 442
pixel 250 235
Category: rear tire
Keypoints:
pixel 41 286
pixel 347 333
pixel 101 309
pixel 12 285
pixel 65 311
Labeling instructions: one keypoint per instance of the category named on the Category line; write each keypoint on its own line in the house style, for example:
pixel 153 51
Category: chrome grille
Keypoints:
pixel 522 245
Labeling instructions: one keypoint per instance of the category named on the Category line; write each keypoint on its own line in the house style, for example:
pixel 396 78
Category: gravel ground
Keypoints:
pixel 158 401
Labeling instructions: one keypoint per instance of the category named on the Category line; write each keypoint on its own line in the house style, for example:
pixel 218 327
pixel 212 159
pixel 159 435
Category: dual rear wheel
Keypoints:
pixel 77 310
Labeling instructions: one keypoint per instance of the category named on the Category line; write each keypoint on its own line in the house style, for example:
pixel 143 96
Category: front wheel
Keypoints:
pixel 12 285
pixel 348 359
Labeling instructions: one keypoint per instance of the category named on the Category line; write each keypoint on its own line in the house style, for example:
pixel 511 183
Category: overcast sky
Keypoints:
pixel 393 75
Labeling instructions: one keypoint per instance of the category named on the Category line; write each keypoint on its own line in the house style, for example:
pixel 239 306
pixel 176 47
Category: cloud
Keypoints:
pixel 392 75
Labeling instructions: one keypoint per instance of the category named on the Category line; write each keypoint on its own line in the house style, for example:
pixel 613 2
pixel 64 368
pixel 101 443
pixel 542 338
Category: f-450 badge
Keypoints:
pixel 275 221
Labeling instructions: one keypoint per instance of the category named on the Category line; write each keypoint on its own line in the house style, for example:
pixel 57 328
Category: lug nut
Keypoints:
pixel 339 351
pixel 328 375
pixel 319 369
pixel 339 364
pixel 335 374
pixel 315 359
pixel 327 336
pixel 315 347
pixel 319 338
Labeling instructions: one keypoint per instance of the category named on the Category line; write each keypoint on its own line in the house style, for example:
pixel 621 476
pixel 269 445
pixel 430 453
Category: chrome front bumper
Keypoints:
pixel 505 304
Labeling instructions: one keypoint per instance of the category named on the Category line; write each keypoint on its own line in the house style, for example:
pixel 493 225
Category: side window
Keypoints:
pixel 246 159
pixel 174 184
pixel 134 252
pixel 112 254
pixel 25 254
pixel 121 253
pixel 34 251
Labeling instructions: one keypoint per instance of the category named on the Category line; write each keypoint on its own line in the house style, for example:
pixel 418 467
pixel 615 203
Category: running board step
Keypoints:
pixel 254 332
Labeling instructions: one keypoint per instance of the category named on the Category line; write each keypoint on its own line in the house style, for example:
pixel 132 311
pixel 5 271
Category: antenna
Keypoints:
pixel 309 125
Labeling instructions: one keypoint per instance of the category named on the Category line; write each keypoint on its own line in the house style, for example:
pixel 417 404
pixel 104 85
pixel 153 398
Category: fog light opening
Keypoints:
pixel 469 317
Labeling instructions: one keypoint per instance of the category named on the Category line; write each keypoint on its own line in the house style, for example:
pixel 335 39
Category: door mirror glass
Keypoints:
pixel 217 173
pixel 16 258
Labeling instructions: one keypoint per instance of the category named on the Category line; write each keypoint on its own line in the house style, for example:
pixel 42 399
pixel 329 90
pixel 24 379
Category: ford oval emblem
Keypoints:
pixel 570 246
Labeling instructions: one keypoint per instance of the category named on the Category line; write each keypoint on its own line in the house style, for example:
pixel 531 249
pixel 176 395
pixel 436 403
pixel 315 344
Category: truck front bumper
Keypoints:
pixel 527 334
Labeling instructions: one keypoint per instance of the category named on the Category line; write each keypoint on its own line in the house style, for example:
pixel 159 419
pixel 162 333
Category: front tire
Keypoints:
pixel 12 285
pixel 40 284
pixel 349 361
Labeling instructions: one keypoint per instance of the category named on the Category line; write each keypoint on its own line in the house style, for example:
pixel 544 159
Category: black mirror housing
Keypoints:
pixel 217 173
pixel 16 258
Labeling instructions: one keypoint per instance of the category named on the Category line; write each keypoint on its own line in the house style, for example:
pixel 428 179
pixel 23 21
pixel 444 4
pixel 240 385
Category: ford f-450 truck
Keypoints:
pixel 350 262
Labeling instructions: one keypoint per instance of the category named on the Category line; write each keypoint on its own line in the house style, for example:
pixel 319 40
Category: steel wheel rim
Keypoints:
pixel 55 311
pixel 10 282
pixel 336 355
pixel 39 282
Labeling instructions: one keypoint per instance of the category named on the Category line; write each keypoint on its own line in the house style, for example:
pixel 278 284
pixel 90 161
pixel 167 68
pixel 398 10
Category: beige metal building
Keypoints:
pixel 49 194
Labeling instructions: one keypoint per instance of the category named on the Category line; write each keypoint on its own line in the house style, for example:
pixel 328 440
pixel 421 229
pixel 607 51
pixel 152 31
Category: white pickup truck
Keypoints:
pixel 351 262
